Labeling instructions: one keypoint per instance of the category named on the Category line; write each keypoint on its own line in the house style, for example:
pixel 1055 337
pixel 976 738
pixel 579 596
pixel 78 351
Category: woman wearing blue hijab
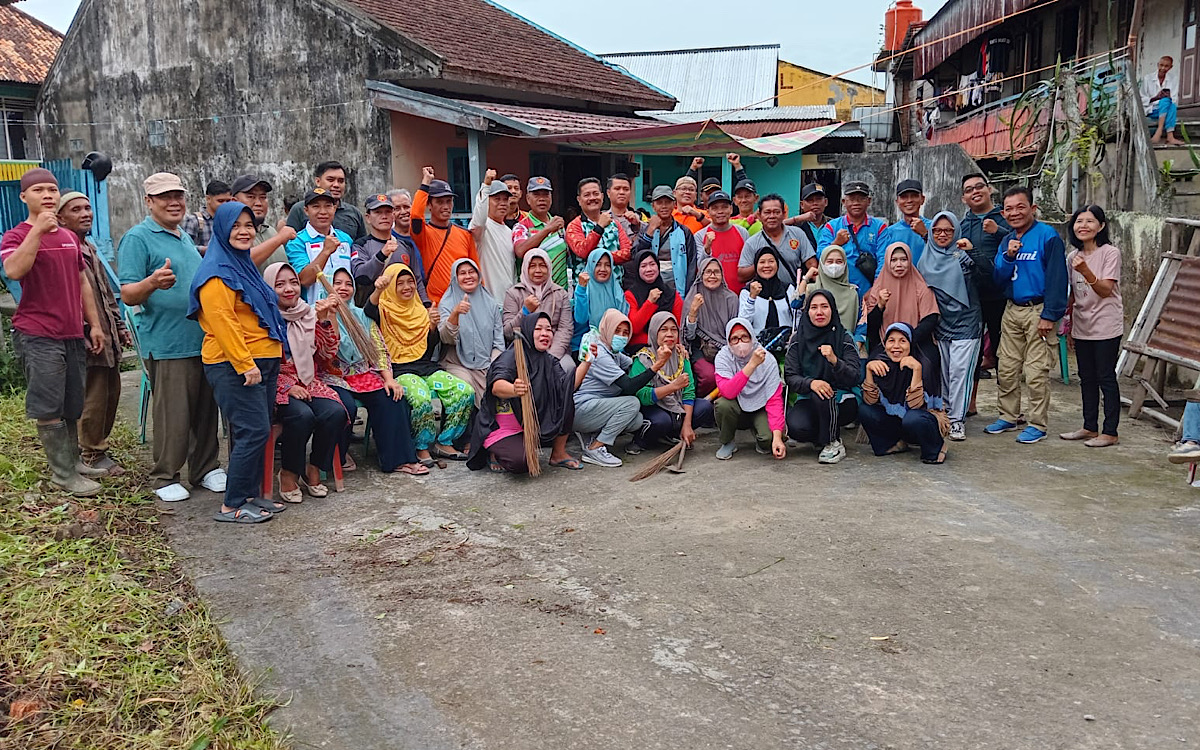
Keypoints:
pixel 244 336
pixel 597 291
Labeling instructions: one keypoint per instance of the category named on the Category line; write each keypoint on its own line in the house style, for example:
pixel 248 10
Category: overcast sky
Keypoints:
pixel 829 35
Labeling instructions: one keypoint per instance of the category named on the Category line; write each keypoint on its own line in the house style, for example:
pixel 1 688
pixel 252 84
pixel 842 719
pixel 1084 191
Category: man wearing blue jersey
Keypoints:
pixel 1031 268
pixel 857 233
pixel 912 229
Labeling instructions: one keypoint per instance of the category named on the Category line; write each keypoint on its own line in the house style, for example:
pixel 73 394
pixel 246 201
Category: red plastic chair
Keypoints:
pixel 268 485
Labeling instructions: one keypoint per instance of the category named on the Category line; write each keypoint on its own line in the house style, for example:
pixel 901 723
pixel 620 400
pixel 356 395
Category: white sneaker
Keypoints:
pixel 726 451
pixel 958 431
pixel 172 493
pixel 832 453
pixel 215 480
pixel 600 457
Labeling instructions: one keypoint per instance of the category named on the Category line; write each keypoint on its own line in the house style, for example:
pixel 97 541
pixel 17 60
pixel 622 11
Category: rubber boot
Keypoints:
pixel 81 468
pixel 62 452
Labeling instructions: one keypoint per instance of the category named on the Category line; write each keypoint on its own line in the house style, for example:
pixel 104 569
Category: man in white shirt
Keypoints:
pixel 1160 90
pixel 493 237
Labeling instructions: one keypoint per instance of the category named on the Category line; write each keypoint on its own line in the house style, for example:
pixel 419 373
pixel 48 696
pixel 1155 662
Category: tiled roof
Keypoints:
pixel 482 42
pixel 558 122
pixel 27 46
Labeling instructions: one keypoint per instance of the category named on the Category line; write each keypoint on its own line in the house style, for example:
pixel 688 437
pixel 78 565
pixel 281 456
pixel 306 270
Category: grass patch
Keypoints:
pixel 103 641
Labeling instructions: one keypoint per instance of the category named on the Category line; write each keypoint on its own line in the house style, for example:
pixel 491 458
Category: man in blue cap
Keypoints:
pixel 857 233
pixel 912 229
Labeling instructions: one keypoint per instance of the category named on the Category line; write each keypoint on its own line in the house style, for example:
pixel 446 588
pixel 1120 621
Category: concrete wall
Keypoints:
pixel 799 86
pixel 1162 33
pixel 273 88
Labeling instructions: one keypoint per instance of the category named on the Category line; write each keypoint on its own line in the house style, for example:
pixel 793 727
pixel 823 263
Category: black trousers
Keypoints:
pixel 993 313
pixel 817 420
pixel 1097 362
pixel 390 424
pixel 322 419
pixel 917 426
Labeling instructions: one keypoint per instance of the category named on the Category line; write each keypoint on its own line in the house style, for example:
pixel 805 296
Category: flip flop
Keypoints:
pixel 571 463
pixel 243 515
pixel 265 504
pixel 941 459
pixel 428 463
pixel 451 456
pixel 495 468
pixel 413 472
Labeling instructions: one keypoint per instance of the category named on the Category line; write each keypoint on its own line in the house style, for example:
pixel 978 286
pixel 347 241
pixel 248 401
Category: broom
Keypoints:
pixel 529 420
pixel 671 455
pixel 362 341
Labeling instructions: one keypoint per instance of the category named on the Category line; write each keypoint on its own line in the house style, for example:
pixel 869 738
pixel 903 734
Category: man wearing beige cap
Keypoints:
pixel 102 386
pixel 48 332
pixel 157 262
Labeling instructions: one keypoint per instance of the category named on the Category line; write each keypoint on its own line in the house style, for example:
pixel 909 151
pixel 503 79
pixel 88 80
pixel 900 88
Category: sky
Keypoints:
pixel 829 35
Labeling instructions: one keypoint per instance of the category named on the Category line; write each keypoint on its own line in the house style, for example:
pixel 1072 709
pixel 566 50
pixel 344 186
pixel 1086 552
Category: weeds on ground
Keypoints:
pixel 103 643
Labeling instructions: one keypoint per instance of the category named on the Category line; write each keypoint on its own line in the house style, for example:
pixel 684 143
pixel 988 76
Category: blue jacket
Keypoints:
pixel 1038 271
pixel 902 232
pixel 984 246
pixel 865 239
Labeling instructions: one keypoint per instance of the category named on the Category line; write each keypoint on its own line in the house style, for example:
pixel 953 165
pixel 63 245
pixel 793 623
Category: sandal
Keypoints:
pixel 495 467
pixel 413 470
pixel 428 463
pixel 451 456
pixel 570 462
pixel 289 496
pixel 313 490
pixel 941 459
pixel 267 505
pixel 243 515
pixel 899 447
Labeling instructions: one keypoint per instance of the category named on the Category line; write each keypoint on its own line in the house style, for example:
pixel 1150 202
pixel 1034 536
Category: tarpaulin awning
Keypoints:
pixel 694 138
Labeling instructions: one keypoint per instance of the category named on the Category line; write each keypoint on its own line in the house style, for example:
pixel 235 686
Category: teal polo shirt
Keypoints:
pixel 164 330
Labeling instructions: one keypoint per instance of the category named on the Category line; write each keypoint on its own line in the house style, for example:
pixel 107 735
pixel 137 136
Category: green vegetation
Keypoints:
pixel 103 643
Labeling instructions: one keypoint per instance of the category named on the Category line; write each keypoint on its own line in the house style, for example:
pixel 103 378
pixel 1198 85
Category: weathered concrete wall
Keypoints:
pixel 939 168
pixel 273 88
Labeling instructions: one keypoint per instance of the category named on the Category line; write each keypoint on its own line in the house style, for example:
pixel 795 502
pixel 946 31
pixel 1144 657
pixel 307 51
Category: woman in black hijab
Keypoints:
pixel 648 293
pixel 766 300
pixel 895 399
pixel 822 368
pixel 499 421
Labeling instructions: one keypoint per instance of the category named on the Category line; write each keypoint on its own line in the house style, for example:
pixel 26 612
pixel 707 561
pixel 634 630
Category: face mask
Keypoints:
pixel 619 342
pixel 742 349
pixel 833 270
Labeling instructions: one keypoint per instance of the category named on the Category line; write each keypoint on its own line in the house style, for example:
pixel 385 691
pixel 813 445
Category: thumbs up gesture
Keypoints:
pixel 163 278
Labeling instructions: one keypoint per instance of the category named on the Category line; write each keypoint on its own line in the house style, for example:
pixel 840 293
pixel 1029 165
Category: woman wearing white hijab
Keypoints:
pixel 471 327
pixel 751 393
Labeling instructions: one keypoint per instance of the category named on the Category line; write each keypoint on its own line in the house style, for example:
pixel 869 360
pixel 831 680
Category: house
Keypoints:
pixel 27 49
pixel 798 85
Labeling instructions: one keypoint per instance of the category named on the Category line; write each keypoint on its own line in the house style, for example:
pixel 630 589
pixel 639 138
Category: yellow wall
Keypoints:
pixel 839 92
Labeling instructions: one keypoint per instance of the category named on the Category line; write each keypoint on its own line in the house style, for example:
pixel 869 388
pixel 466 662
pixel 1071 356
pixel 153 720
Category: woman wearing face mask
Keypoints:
pixel 471 327
pixel 243 343
pixel 832 276
pixel 751 393
pixel 596 292
pixel 894 412
pixel 499 424
pixel 822 369
pixel 900 295
pixel 606 403
pixel 410 339
pixel 648 294
pixel 766 301
pixel 305 405
pixel 955 280
pixel 363 381
pixel 669 405
pixel 711 305
pixel 537 293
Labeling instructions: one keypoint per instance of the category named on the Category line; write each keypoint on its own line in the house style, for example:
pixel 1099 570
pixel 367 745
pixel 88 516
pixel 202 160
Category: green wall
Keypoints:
pixel 783 178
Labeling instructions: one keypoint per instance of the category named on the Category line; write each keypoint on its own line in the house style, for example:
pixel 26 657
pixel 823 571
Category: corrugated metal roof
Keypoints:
pixel 957 24
pixel 803 112
pixel 719 78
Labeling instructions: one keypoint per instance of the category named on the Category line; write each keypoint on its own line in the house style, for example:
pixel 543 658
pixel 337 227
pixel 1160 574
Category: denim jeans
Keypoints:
pixel 248 409
pixel 1191 422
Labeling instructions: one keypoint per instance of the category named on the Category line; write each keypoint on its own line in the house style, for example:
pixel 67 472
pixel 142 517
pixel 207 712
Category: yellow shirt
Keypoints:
pixel 231 329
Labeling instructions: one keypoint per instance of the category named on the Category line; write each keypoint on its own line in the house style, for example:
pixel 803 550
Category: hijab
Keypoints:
pixel 603 296
pixel 641 288
pixel 673 402
pixel 845 294
pixel 348 352
pixel 235 269
pixel 940 267
pixel 549 383
pixel 301 328
pixel 773 288
pixel 404 324
pixel 893 386
pixel 810 338
pixel 764 381
pixel 911 299
pixel 720 305
pixel 547 288
pixel 608 325
pixel 477 327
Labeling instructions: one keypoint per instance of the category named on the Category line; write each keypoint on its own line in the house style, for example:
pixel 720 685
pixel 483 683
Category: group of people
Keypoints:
pixel 715 311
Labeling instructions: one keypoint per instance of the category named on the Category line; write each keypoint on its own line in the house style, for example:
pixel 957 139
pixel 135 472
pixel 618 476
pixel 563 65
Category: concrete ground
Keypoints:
pixel 1036 597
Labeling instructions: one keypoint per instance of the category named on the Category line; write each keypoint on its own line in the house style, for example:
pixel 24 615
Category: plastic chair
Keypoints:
pixel 268 482
pixel 1063 364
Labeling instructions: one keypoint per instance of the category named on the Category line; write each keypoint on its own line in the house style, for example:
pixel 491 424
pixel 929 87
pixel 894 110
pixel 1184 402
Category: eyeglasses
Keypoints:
pixel 739 339
pixel 975 188
pixel 712 272
pixel 940 230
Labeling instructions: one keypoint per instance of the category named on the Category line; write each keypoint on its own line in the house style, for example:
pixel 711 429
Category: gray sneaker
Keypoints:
pixel 958 431
pixel 1185 452
pixel 832 453
pixel 726 451
pixel 600 457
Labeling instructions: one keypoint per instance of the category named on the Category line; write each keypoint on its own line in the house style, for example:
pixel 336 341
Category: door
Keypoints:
pixel 1189 93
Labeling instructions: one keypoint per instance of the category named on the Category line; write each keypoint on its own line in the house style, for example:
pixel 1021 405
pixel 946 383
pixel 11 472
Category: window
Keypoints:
pixel 458 174
pixel 157 133
pixel 19 137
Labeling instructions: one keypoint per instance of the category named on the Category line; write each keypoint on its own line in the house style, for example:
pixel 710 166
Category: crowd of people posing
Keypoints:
pixel 634 329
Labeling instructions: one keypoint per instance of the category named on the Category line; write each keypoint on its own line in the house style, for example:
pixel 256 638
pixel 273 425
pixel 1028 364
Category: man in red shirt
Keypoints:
pixel 48 327
pixel 723 240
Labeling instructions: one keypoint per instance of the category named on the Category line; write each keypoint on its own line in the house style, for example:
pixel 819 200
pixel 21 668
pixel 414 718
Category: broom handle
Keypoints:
pixel 717 391
pixel 353 327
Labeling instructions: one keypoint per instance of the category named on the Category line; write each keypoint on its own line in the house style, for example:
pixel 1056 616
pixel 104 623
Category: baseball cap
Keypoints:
pixel 856 186
pixel 37 176
pixel 718 196
pixel 440 189
pixel 746 185
pixel 247 182
pixel 498 187
pixel 317 194
pixel 162 182
pixel 811 189
pixel 712 183
pixel 378 200
pixel 662 191
pixel 68 197
pixel 538 183
pixel 908 186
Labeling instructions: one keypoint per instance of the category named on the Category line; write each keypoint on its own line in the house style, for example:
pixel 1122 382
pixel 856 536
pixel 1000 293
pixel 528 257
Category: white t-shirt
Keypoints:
pixel 1151 86
pixel 497 260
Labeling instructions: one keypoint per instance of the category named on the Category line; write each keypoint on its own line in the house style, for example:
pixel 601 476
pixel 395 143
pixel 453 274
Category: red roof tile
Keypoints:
pixel 481 42
pixel 27 47
pixel 558 121
pixel 770 127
